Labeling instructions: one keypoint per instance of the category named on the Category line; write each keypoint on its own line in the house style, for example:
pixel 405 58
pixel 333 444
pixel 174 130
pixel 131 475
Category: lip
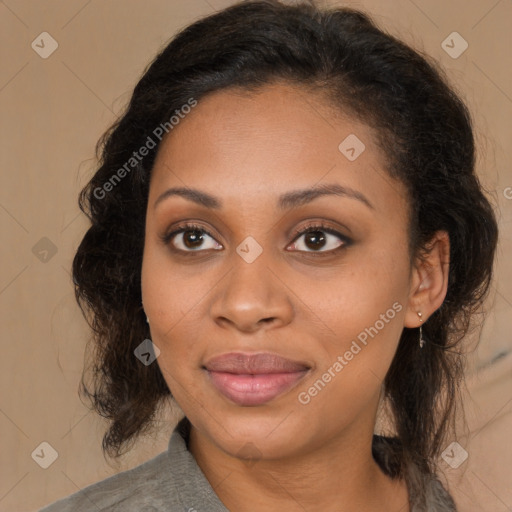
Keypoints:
pixel 254 379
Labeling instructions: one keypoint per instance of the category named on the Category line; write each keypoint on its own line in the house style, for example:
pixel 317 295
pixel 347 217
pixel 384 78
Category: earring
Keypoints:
pixel 422 341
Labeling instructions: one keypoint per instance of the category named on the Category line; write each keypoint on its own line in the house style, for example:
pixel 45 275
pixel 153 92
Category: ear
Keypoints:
pixel 429 280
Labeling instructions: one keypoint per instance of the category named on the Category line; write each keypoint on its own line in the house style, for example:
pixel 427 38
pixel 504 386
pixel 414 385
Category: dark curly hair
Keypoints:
pixel 424 131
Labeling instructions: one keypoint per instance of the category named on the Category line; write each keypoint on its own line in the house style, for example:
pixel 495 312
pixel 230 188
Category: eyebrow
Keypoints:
pixel 289 200
pixel 297 198
pixel 191 194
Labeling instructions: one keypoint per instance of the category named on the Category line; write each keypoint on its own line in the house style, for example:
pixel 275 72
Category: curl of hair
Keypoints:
pixel 424 130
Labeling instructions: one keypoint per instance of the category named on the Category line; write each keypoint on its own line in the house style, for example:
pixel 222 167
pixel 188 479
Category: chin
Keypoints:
pixel 268 432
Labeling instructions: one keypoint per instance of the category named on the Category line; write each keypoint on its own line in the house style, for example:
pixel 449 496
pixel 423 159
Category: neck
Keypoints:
pixel 340 476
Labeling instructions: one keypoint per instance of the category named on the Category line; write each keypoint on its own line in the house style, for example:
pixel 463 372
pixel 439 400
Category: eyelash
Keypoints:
pixel 319 226
pixel 182 228
pixel 166 239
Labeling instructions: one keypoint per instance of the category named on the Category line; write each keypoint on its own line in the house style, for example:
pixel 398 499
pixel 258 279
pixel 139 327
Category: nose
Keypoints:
pixel 252 297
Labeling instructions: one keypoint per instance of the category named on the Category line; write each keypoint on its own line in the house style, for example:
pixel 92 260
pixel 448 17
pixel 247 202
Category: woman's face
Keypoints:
pixel 278 312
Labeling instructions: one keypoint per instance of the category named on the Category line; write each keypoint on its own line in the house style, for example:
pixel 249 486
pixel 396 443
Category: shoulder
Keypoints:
pixel 171 481
pixel 136 489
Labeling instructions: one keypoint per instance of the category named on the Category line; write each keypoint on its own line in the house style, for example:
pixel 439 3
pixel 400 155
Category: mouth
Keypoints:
pixel 254 379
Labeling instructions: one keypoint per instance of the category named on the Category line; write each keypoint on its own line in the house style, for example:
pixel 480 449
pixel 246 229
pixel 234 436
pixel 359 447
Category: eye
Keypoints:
pixel 191 238
pixel 319 238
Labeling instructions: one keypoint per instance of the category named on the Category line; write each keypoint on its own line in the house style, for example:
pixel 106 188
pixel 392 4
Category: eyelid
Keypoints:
pixel 183 227
pixel 321 226
pixel 310 226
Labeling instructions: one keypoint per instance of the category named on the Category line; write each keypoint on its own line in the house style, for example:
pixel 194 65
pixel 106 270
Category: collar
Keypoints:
pixel 190 485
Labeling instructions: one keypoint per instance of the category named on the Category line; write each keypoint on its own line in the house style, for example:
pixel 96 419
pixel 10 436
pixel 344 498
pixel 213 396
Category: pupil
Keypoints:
pixel 193 238
pixel 316 239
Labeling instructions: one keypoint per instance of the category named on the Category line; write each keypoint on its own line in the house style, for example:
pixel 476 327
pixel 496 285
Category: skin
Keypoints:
pixel 247 149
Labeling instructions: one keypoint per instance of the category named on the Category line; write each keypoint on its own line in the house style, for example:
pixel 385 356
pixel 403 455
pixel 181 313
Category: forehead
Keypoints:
pixel 239 145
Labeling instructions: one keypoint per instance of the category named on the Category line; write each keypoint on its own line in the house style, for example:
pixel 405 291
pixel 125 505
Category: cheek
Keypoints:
pixel 364 309
pixel 170 302
pixel 356 295
pixel 170 298
pixel 350 373
pixel 170 291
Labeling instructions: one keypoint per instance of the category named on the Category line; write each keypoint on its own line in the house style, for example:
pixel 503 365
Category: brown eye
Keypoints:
pixel 315 240
pixel 191 239
pixel 319 239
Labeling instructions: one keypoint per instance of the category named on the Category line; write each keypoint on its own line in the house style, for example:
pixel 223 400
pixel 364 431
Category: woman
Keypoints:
pixel 288 238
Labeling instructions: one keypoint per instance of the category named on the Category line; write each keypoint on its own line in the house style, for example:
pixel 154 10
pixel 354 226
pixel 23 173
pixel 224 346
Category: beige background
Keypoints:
pixel 53 110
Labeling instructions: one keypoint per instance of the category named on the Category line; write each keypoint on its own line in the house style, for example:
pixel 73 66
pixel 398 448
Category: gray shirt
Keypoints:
pixel 170 482
pixel 173 482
